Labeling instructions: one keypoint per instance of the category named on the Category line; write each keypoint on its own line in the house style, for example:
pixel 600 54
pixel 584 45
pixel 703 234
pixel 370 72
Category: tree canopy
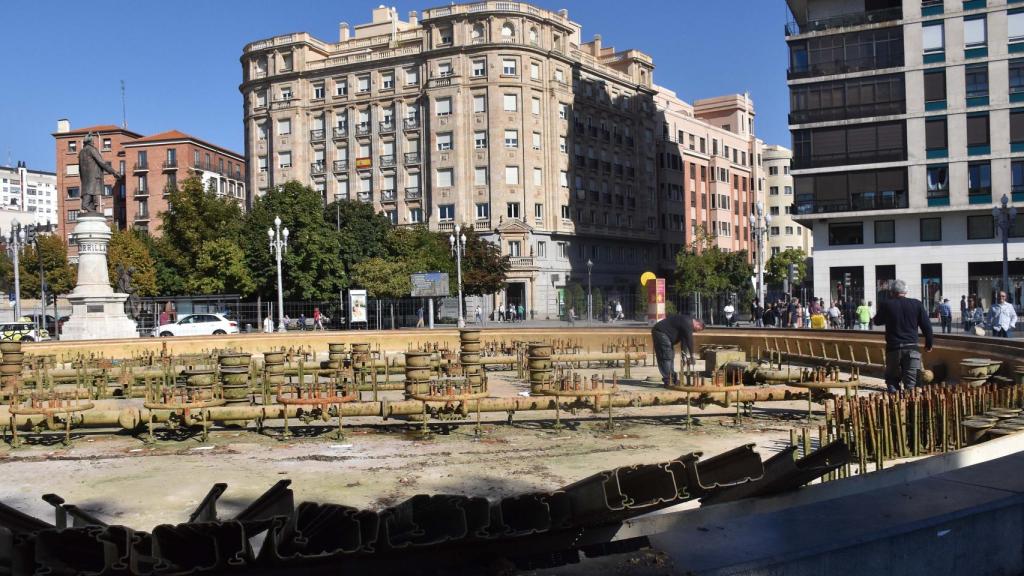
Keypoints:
pixel 704 267
pixel 128 248
pixel 60 276
pixel 777 268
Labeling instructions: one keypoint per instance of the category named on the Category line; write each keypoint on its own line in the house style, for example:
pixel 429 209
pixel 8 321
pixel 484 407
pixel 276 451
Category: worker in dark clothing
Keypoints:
pixel 677 328
pixel 902 317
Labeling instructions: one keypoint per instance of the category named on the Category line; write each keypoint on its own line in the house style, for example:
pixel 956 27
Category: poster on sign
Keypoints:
pixel 357 305
pixel 655 299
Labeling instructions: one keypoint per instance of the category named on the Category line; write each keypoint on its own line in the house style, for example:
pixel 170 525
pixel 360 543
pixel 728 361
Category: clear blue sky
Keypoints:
pixel 65 59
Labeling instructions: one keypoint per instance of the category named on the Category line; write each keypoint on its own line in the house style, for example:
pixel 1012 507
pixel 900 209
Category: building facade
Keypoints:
pixel 495 115
pixel 32 194
pixel 784 232
pixel 908 128
pixel 148 167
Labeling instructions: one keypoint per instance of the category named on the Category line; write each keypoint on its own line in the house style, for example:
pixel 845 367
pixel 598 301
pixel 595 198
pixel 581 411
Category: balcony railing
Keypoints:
pixel 842 66
pixel 388 195
pixel 362 130
pixel 386 127
pixel 847 112
pixel 340 132
pixel 521 262
pixel 888 201
pixel 140 167
pixel 413 193
pixel 844 20
pixel 316 135
pixel 412 158
pixel 317 168
pixel 387 161
pixel 364 196
pixel 142 215
pixel 446 226
pixel 341 166
pixel 140 192
pixel 170 165
pixel 411 123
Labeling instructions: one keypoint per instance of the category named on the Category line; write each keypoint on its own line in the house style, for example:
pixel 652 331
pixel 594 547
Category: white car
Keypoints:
pixel 198 325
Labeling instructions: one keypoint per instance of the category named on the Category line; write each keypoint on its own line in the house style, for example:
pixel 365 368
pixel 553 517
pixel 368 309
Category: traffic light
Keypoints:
pixel 30 234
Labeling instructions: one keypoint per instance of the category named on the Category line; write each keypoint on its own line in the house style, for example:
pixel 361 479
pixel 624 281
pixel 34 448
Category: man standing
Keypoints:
pixel 729 310
pixel 945 316
pixel 479 315
pixel 419 317
pixel 902 317
pixel 963 311
pixel 863 316
pixel 1002 317
pixel 318 319
pixel 268 325
pixel 666 333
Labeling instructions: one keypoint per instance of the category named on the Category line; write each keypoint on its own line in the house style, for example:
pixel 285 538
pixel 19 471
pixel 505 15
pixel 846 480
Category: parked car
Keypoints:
pixel 22 332
pixel 47 321
pixel 198 325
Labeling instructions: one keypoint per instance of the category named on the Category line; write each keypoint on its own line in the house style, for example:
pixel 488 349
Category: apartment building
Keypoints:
pixel 499 115
pixel 709 172
pixel 784 232
pixel 148 167
pixel 908 128
pixel 30 193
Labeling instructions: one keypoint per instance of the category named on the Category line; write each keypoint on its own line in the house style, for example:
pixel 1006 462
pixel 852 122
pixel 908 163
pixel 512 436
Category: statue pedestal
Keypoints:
pixel 96 310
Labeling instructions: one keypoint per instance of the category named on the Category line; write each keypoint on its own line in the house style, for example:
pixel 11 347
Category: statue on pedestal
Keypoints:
pixel 91 167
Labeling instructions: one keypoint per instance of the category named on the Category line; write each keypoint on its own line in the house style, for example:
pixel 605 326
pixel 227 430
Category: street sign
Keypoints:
pixel 429 284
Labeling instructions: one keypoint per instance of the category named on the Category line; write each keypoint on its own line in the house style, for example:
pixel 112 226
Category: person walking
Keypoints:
pixel 729 310
pixel 863 316
pixel 618 311
pixel 964 311
pixel 676 328
pixel 318 319
pixel 977 314
pixel 758 315
pixel 833 316
pixel 902 318
pixel 572 316
pixel 1002 317
pixel 945 316
pixel 479 315
pixel 419 317
pixel 302 321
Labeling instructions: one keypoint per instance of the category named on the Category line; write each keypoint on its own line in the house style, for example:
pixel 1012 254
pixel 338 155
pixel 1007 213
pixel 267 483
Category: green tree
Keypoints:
pixel 60 276
pixel 484 269
pixel 576 296
pixel 168 265
pixel 220 269
pixel 777 267
pixel 129 249
pixel 699 266
pixel 313 267
pixel 383 278
pixel 420 250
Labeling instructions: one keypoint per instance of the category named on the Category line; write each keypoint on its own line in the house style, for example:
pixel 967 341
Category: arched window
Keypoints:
pixel 478 31
pixel 534 39
pixel 507 30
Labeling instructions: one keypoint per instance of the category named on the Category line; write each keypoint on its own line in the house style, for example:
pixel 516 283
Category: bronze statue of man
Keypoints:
pixel 91 167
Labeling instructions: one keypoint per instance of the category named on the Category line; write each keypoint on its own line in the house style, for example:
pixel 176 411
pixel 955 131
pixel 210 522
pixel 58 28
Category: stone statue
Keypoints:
pixel 132 306
pixel 91 167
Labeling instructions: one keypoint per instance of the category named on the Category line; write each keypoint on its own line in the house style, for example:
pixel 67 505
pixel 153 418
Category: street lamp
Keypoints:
pixel 14 243
pixel 278 245
pixel 759 222
pixel 1004 216
pixel 590 296
pixel 457 241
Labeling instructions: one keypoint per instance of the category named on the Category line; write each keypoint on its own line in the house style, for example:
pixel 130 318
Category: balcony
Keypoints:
pixel 140 167
pixel 170 165
pixel 888 201
pixel 412 158
pixel 386 127
pixel 413 193
pixel 140 192
pixel 340 132
pixel 412 123
pixel 142 215
pixel 316 135
pixel 363 129
pixel 364 196
pixel 874 62
pixel 340 166
pixel 847 112
pixel 446 226
pixel 521 262
pixel 317 168
pixel 388 195
pixel 844 20
pixel 387 161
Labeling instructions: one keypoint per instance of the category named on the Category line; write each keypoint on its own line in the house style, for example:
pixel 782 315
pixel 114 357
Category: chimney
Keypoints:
pixel 597 45
pixel 413 19
pixel 63 125
pixel 343 32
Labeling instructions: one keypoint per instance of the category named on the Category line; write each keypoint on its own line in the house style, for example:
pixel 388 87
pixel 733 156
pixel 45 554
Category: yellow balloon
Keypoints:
pixel 646 277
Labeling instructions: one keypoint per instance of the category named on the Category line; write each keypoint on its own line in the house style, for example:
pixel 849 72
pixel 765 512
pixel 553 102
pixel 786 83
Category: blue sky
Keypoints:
pixel 179 61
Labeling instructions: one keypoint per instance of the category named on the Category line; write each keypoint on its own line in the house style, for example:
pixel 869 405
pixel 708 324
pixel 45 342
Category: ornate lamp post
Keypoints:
pixel 1004 216
pixel 590 295
pixel 759 222
pixel 458 244
pixel 279 245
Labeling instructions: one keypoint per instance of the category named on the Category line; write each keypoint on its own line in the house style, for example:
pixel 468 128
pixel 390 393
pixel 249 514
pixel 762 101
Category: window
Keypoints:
pixel 479 68
pixel 106 144
pixel 444 177
pixel 340 87
pixel 444 141
pixel 284 126
pixel 444 69
pixel 512 175
pixel 510 103
pixel 363 83
pixel 480 139
pixel 416 215
pixel 976 78
pixel 480 176
pixel 284 159
pixel 789 230
pixel 445 35
pixel 1016 75
pixel 935 134
pixel 563 110
pixel 483 211
pixel 979 179
pixel 542 247
pixel 981 227
pixel 512 209
pixel 538 177
pixel 534 71
pixel 534 39
pixel 536 140
pixel 387 80
pixel 514 249
pixel 932 39
pixel 566 215
pixel 74 192
pixel 511 139
pixel 263 163
pixel 443 106
pixel 885 231
pixel 974 32
pixel 931 229
pixel 318 91
pixel 938 181
pixel 508 67
pixel 977 130
pixel 935 85
pixel 535 105
pixel 507 31
pixel 479 103
pixel 562 146
pixel 843 234
pixel 1015 26
pixel 412 76
pixel 446 212
pixel 773 190
pixel 477 34
pixel 1017 177
pixel 286 62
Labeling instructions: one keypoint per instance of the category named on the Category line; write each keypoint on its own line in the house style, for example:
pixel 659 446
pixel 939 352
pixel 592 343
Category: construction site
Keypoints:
pixel 508 451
